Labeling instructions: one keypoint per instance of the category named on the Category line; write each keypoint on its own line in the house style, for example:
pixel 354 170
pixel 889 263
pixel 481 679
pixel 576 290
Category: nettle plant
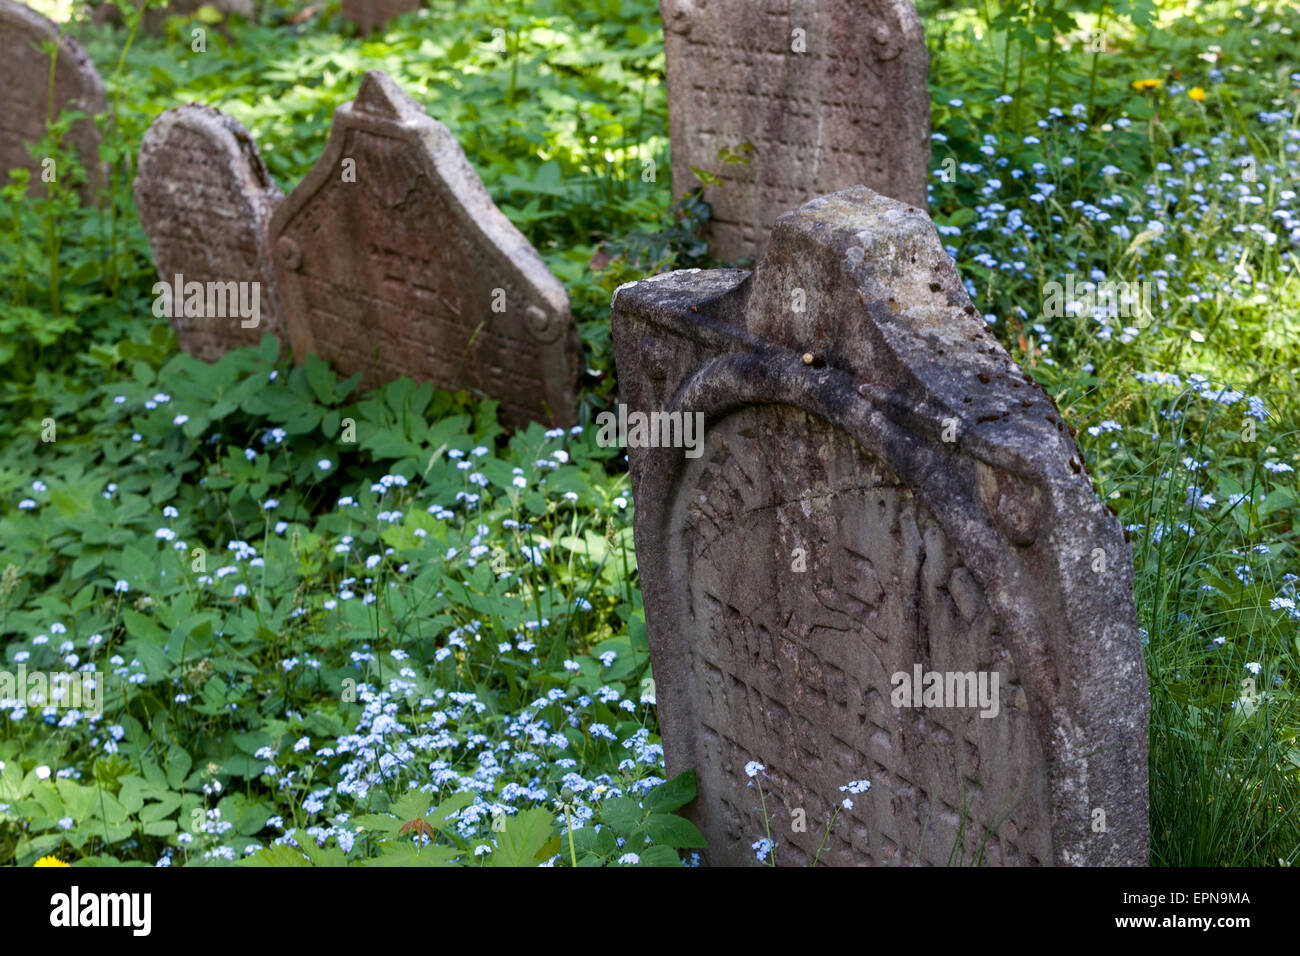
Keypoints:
pixel 307 611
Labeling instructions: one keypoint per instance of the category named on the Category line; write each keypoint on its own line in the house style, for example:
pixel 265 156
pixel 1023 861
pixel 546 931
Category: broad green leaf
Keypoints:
pixel 521 844
pixel 276 856
pixel 178 766
pixel 321 856
pixel 674 831
pixel 164 804
pixel 671 794
pixel 621 813
pixel 659 856
pixel 404 853
pixel 320 378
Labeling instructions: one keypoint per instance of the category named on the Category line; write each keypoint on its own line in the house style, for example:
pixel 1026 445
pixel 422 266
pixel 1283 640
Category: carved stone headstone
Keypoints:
pixel 155 19
pixel 881 495
pixel 25 103
pixel 393 260
pixel 829 94
pixel 368 15
pixel 205 200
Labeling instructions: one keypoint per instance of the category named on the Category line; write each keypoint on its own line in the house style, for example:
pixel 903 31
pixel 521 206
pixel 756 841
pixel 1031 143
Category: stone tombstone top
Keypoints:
pixel 393 260
pixel 369 15
pixel 205 200
pixel 25 95
pixel 155 18
pixel 884 561
pixel 829 94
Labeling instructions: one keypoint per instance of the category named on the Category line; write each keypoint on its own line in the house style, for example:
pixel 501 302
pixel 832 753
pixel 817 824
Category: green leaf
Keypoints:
pixel 410 806
pixel 671 794
pixel 405 853
pixel 78 800
pixel 157 665
pixel 164 805
pixel 131 794
pixel 251 818
pixel 109 808
pixel 621 813
pixel 145 628
pixel 178 766
pixel 321 856
pixel 454 804
pixel 1280 498
pixel 378 822
pixel 276 856
pixel 320 378
pixel 674 831
pixel 269 347
pixel 659 856
pixel 590 840
pixel 153 773
pixel 524 839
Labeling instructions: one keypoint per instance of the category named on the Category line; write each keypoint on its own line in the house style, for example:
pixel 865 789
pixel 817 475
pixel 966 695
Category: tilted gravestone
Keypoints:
pixel 829 94
pixel 25 101
pixel 205 200
pixel 884 560
pixel 393 260
pixel 369 15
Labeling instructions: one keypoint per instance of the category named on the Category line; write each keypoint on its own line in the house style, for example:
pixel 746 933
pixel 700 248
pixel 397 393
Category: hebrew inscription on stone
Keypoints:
pixel 205 200
pixel 882 495
pixel 829 95
pixel 25 102
pixel 393 260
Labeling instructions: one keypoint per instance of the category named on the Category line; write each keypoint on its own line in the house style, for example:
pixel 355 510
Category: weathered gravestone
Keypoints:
pixel 826 549
pixel 205 200
pixel 25 101
pixel 393 260
pixel 829 94
pixel 369 15
pixel 155 19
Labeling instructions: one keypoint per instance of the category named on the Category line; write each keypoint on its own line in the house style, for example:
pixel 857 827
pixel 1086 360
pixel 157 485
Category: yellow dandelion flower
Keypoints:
pixel 50 861
pixel 1196 93
pixel 1143 85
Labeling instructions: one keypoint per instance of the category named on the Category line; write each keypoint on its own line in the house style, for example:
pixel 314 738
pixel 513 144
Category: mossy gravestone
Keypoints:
pixel 205 200
pixel 885 561
pixel 393 260
pixel 805 97
pixel 26 103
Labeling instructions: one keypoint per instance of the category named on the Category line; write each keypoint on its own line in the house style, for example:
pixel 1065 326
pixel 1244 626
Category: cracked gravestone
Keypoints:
pixel 205 200
pixel 369 15
pixel 879 562
pixel 393 260
pixel 25 100
pixel 828 94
